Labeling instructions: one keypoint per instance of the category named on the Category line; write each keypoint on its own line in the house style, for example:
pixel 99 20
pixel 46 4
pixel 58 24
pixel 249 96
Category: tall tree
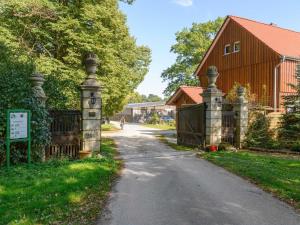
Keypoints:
pixel 55 34
pixel 192 43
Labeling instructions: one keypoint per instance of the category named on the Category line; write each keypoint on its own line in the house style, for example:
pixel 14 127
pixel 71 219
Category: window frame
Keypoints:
pixel 235 43
pixel 225 47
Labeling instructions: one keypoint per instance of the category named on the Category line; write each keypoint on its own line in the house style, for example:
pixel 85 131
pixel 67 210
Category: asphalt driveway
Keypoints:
pixel 160 186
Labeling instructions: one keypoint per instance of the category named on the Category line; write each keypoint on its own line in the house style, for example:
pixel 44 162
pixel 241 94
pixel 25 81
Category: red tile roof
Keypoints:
pixel 191 91
pixel 283 41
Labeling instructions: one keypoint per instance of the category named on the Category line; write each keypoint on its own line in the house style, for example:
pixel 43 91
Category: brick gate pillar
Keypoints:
pixel 241 114
pixel 91 108
pixel 212 97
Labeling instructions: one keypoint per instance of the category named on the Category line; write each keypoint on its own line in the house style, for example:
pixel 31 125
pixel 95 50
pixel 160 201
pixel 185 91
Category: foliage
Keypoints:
pixel 192 43
pixel 232 93
pixel 154 119
pixel 135 97
pixel 278 174
pixel 15 69
pixel 57 192
pixel 224 146
pixel 109 127
pixel 258 134
pixel 162 126
pixel 289 131
pixel 56 34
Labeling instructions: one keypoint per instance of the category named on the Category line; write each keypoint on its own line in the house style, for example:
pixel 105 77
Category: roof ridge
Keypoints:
pixel 255 21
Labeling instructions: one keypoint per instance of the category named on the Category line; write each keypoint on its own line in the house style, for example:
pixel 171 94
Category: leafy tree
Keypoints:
pixel 57 33
pixel 192 43
pixel 135 97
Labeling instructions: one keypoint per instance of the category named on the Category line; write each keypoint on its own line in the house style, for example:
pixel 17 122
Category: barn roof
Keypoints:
pixel 190 91
pixel 283 41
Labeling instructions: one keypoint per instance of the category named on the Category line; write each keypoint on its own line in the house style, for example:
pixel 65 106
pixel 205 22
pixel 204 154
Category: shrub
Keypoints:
pixel 296 147
pixel 258 134
pixel 154 119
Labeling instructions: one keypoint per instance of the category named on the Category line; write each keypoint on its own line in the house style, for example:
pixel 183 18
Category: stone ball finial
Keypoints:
pixel 91 63
pixel 212 75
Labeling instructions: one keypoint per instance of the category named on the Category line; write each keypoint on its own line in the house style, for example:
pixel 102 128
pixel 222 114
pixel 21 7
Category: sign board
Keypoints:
pixel 18 129
pixel 18 125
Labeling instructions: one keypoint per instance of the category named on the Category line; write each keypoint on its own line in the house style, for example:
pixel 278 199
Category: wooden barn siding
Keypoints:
pixel 183 99
pixel 254 63
pixel 287 76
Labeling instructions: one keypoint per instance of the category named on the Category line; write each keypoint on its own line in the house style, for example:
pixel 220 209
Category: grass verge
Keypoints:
pixel 109 127
pixel 58 192
pixel 174 145
pixel 163 126
pixel 277 174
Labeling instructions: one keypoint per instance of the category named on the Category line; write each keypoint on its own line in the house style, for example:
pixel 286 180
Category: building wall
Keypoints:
pixel 184 100
pixel 253 64
pixel 287 76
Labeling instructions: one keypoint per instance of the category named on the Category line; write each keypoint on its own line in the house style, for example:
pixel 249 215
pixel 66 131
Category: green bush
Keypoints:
pixel 154 119
pixel 258 134
pixel 296 147
pixel 224 146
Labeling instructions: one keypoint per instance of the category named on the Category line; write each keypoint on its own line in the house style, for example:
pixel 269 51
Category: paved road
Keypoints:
pixel 160 186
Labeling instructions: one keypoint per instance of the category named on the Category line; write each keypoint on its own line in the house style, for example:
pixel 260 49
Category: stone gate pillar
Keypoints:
pixel 91 108
pixel 37 81
pixel 212 97
pixel 241 114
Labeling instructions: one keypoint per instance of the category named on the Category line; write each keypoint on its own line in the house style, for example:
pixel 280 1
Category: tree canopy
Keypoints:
pixel 191 45
pixel 53 35
pixel 135 97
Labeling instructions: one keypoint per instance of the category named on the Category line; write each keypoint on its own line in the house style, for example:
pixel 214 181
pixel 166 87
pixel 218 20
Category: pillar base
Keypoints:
pixel 85 154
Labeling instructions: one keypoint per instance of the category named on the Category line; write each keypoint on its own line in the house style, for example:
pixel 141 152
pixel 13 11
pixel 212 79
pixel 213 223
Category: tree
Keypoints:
pixel 289 132
pixel 135 97
pixel 55 34
pixel 192 43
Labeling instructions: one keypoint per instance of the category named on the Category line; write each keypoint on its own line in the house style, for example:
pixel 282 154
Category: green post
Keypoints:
pixel 7 140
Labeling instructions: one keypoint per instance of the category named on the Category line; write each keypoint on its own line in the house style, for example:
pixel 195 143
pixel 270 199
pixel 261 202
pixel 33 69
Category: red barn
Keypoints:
pixel 247 51
pixel 186 95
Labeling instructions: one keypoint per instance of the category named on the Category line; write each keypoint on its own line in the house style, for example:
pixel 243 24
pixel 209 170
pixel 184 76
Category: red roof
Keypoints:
pixel 283 41
pixel 190 91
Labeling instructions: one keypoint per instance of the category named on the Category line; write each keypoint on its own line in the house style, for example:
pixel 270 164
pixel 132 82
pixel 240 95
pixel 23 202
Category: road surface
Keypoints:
pixel 160 186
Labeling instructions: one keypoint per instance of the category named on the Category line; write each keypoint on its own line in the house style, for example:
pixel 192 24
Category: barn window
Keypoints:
pixel 227 49
pixel 237 46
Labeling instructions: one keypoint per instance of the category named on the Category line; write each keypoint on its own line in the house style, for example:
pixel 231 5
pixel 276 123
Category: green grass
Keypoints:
pixel 163 126
pixel 57 192
pixel 109 127
pixel 173 145
pixel 277 174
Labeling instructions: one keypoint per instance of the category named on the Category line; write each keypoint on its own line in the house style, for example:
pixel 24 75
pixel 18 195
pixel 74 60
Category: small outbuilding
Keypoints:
pixel 186 95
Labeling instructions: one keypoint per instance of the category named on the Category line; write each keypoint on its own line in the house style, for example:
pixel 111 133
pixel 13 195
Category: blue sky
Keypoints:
pixel 155 22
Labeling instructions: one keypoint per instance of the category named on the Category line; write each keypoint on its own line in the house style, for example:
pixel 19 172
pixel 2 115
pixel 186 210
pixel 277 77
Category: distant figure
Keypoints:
pixel 122 122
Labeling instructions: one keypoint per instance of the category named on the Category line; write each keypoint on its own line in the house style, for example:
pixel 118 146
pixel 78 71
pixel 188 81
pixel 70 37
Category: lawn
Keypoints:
pixel 162 126
pixel 275 173
pixel 57 192
pixel 109 127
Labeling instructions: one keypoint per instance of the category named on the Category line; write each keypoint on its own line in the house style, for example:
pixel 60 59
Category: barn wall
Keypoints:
pixel 287 76
pixel 253 64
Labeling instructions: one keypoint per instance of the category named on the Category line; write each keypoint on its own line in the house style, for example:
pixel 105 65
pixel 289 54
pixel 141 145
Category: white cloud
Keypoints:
pixel 184 3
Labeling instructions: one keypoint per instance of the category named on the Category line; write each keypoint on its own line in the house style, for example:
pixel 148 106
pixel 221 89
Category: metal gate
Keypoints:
pixel 65 134
pixel 191 125
pixel 228 124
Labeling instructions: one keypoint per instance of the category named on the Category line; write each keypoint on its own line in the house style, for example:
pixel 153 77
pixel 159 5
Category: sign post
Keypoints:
pixel 18 130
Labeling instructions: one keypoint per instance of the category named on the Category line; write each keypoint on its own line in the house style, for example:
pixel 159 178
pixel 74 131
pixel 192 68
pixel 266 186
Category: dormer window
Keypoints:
pixel 237 46
pixel 227 49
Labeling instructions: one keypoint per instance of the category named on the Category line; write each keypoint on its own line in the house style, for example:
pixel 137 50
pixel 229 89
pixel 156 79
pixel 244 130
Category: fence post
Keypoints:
pixel 241 114
pixel 212 97
pixel 91 108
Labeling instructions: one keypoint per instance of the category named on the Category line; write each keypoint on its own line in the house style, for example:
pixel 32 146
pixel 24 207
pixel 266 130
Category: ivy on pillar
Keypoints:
pixel 212 97
pixel 91 108
pixel 37 81
pixel 241 114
